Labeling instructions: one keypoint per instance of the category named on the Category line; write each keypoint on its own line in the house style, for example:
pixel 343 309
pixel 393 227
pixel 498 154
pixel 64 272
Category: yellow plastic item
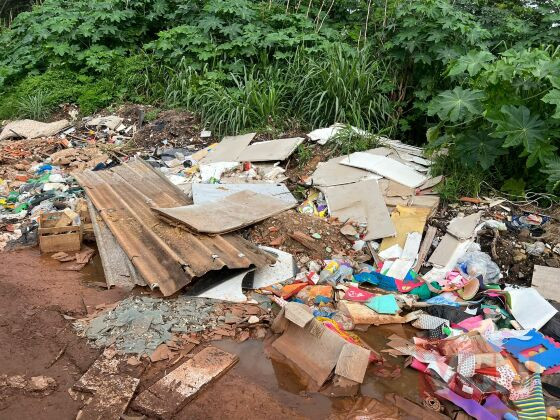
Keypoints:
pixel 406 220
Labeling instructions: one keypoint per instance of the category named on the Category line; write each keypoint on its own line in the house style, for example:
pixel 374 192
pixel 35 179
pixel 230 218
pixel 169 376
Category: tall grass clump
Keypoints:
pixel 35 106
pixel 233 102
pixel 345 86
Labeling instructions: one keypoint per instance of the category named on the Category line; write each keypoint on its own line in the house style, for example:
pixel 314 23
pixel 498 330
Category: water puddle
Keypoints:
pixel 282 382
pixel 91 273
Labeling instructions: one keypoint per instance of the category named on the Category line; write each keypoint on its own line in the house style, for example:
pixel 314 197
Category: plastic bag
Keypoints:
pixel 476 263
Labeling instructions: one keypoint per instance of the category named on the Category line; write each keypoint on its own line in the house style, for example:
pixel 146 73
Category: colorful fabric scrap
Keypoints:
pixel 532 407
pixel 384 304
pixel 377 279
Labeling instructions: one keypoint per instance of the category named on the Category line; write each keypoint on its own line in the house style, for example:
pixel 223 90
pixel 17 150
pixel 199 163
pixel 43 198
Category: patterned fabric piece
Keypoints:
pixel 466 364
pixel 532 408
pixel 436 333
pixel 429 322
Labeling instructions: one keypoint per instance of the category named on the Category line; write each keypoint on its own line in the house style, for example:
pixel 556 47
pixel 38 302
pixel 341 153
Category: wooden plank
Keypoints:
pixel 314 349
pixel 172 392
pixel 71 241
pixel 112 390
pixel 110 401
pixel 353 362
pixel 228 214
pixel 306 240
pixel 59 229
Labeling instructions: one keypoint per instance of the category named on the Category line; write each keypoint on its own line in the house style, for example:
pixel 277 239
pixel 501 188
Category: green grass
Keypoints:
pixel 304 154
pixel 344 86
pixel 349 140
pixel 36 106
pixel 152 114
pixel 459 180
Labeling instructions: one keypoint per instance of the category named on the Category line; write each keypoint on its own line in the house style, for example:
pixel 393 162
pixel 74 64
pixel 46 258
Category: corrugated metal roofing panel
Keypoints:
pixel 166 256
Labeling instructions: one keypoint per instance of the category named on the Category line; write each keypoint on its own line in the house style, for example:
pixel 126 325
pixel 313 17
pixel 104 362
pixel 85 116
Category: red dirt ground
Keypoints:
pixel 33 298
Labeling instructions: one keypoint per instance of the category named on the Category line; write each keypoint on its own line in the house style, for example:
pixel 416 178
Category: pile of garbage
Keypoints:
pixel 369 245
pixel 42 189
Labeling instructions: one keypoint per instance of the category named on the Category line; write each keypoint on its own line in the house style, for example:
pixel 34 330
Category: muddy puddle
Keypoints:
pixel 91 274
pixel 281 381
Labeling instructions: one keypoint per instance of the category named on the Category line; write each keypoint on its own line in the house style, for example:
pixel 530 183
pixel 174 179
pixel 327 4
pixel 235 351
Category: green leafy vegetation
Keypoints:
pixel 478 80
pixel 34 106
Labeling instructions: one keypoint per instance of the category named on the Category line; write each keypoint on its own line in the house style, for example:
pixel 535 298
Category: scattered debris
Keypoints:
pixel 138 325
pixel 368 248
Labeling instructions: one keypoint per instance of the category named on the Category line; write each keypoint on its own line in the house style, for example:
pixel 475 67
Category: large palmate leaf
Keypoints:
pixel 542 152
pixel 474 147
pixel 472 63
pixel 457 104
pixel 552 169
pixel 553 98
pixel 518 127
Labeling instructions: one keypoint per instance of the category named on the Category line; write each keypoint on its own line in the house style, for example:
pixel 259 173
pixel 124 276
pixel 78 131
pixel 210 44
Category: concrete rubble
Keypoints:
pixel 243 244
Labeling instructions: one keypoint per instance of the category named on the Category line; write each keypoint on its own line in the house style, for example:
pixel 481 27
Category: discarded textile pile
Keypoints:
pixel 484 346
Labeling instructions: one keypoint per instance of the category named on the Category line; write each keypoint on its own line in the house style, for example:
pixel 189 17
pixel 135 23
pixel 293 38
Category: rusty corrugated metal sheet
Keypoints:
pixel 166 256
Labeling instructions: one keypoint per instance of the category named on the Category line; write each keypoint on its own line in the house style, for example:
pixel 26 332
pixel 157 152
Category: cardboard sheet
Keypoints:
pixel 298 314
pixel 208 193
pixel 331 173
pixel 361 202
pixel 547 281
pixel 463 227
pixel 394 189
pixel 529 308
pixel 272 150
pixel 386 167
pixel 226 215
pixel 229 149
pixel 406 220
pixel 444 252
pixel 353 362
pixel 314 349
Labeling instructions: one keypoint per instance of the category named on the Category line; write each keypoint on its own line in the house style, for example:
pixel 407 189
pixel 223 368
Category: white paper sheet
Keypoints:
pixel 529 308
pixel 386 167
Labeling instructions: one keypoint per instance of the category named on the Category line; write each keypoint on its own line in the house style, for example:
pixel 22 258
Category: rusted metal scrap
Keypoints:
pixel 167 257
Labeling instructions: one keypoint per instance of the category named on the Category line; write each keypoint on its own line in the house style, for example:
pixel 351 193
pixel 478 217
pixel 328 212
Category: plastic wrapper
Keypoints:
pixel 476 264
